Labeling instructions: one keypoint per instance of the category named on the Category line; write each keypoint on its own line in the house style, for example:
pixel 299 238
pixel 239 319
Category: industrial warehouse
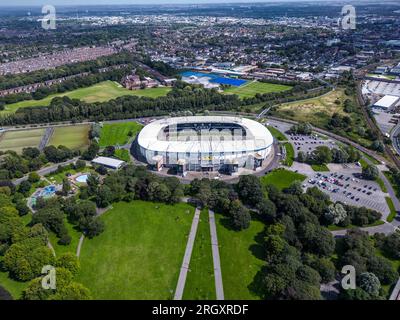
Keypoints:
pixel 205 143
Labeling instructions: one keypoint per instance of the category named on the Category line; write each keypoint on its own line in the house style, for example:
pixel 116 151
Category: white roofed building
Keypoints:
pixel 205 142
pixel 109 162
pixel 387 103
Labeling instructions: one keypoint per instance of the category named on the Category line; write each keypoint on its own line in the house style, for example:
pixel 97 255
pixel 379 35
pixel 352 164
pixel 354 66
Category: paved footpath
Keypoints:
pixel 186 259
pixel 215 252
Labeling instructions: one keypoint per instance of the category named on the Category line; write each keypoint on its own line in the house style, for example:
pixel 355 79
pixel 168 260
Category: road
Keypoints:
pixel 46 170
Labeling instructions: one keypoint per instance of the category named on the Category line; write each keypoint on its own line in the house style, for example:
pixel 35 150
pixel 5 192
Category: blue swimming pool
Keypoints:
pixel 215 78
pixel 229 81
pixel 48 191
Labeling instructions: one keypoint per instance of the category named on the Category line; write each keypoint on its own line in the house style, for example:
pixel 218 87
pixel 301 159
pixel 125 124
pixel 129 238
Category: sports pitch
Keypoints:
pixel 73 137
pixel 17 140
pixel 117 133
pixel 103 91
pixel 250 89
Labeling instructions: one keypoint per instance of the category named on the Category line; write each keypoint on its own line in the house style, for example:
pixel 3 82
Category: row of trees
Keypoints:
pixel 65 109
pixel 14 165
pixel 325 155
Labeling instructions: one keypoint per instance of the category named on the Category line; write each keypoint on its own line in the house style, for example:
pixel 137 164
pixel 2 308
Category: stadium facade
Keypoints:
pixel 205 143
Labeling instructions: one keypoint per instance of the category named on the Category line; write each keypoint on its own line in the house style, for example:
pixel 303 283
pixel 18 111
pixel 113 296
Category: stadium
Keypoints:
pixel 205 143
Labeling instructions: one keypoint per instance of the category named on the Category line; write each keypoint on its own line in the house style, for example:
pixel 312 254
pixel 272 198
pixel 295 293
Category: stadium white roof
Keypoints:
pixel 257 136
pixel 387 102
pixel 108 162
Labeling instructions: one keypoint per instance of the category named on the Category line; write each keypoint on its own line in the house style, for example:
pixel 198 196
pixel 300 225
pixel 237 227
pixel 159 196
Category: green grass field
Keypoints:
pixel 139 255
pixel 241 258
pixel 117 133
pixel 289 154
pixel 319 167
pixel 200 282
pixel 103 91
pixel 73 137
pixel 282 178
pixel 15 288
pixel 17 140
pixel 122 154
pixel 61 249
pixel 393 212
pixel 250 89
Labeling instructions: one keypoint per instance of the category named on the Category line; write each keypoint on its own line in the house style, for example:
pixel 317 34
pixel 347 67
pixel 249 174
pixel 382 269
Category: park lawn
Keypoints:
pixel 72 247
pixel 122 154
pixel 319 167
pixel 250 89
pixel 100 92
pixel 14 287
pixel 282 178
pixel 200 281
pixel 117 133
pixel 242 257
pixel 393 212
pixel 72 137
pixel 17 140
pixel 140 252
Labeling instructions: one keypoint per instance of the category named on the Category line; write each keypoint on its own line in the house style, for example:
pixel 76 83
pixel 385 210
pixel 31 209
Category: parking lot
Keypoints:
pixel 308 143
pixel 350 189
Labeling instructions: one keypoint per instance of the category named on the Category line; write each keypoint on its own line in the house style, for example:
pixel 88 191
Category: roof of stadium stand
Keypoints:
pixel 258 136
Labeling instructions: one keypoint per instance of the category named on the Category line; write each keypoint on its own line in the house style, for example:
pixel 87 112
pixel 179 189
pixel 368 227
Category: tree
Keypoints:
pixel 392 245
pixel 250 189
pixel 22 208
pixel 93 183
pixel 68 261
pixel 369 283
pixel 25 187
pixel 378 146
pixel 66 288
pixel 80 164
pixel 321 155
pixel 104 196
pixel 295 188
pixel 370 172
pixel 301 157
pixel 339 156
pixel 383 269
pixel 240 215
pixel 91 152
pixel 109 151
pixel 267 210
pixel 335 214
pixel 66 186
pixel 33 177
